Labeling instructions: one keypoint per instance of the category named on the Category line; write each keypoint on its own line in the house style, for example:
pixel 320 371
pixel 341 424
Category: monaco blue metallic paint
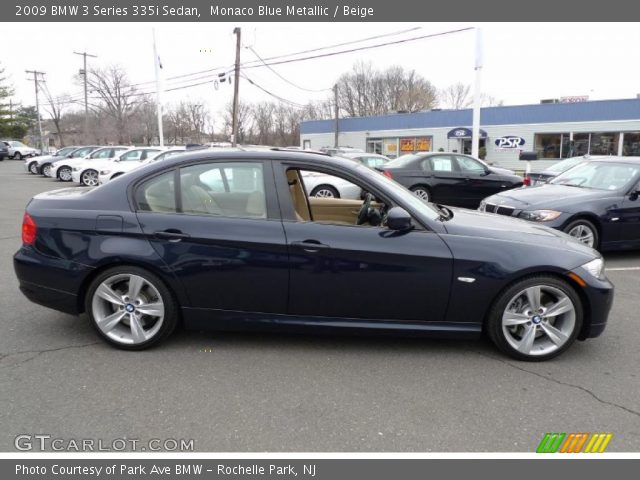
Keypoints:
pixel 235 273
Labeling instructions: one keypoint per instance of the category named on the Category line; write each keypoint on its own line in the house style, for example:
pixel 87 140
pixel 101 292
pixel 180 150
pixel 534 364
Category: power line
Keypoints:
pixel 283 78
pixel 282 99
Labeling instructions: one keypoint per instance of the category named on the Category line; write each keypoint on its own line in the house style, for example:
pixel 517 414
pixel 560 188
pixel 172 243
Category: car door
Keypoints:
pixel 340 270
pixel 220 233
pixel 629 217
pixel 444 180
pixel 479 182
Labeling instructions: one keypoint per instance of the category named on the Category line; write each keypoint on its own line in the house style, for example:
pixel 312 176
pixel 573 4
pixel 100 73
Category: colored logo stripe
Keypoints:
pixel 574 442
pixel 550 443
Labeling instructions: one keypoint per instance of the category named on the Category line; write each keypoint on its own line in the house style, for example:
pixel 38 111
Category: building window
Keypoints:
pixel 580 144
pixel 604 143
pixel 394 146
pixel 549 145
pixel 631 144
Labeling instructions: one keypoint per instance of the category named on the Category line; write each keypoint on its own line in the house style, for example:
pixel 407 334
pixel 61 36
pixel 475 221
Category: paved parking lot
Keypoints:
pixel 244 392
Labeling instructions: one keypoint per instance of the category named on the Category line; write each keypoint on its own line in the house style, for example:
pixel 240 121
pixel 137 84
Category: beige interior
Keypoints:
pixel 335 210
pixel 300 203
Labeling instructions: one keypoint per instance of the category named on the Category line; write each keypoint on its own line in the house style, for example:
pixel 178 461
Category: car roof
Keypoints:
pixel 616 159
pixel 361 154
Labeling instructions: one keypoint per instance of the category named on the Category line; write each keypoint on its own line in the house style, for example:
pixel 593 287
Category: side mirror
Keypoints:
pixel 633 196
pixel 398 219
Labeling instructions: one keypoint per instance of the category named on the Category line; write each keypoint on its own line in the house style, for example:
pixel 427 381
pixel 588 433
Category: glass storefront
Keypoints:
pixel 393 147
pixel 559 145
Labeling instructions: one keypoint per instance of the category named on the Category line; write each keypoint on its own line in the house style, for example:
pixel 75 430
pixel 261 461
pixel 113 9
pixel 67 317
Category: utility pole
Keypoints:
pixel 335 102
pixel 156 61
pixel 35 79
pixel 86 99
pixel 236 88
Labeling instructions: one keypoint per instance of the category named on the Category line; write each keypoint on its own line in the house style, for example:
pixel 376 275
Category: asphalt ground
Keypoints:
pixel 250 392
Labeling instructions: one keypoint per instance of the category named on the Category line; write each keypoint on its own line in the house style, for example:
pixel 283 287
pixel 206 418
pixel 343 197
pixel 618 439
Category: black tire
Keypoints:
pixel 171 308
pixel 33 168
pixel 327 188
pixel 493 326
pixel 17 156
pixel 43 168
pixel 423 190
pixel 583 222
pixel 64 169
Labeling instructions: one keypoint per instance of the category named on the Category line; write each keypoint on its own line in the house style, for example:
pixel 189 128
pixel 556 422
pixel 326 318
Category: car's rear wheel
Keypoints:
pixel 46 169
pixel 584 231
pixel 535 319
pixel 131 308
pixel 421 192
pixel 325 191
pixel 33 168
pixel 89 178
pixel 17 156
pixel 64 174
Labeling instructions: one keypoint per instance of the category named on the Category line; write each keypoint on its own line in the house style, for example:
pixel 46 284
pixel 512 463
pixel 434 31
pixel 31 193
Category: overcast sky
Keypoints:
pixel 523 62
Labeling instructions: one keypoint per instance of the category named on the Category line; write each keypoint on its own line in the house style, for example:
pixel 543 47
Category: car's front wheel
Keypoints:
pixel 17 156
pixel 64 174
pixel 46 169
pixel 33 168
pixel 131 308
pixel 89 178
pixel 535 319
pixel 584 231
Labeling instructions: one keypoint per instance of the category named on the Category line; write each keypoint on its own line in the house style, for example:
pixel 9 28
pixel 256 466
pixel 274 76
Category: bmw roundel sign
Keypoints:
pixel 510 142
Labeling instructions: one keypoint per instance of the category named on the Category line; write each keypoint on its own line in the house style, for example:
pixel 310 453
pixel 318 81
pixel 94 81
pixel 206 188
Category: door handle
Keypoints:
pixel 172 235
pixel 311 246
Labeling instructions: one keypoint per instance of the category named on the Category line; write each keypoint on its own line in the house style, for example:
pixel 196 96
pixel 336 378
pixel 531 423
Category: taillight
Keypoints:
pixel 29 230
pixel 527 181
pixel 387 174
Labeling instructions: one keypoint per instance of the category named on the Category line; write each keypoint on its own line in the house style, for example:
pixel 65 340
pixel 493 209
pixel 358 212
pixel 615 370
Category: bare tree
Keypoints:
pixel 55 107
pixel 115 97
pixel 196 117
pixel 456 96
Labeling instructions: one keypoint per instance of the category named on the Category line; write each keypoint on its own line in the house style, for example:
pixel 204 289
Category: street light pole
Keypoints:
pixel 156 61
pixel 475 136
pixel 86 97
pixel 236 88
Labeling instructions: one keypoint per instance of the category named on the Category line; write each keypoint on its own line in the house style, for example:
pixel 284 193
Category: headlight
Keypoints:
pixel 105 172
pixel 540 215
pixel 595 267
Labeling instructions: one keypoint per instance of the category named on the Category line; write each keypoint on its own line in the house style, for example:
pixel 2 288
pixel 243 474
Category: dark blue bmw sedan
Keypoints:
pixel 233 240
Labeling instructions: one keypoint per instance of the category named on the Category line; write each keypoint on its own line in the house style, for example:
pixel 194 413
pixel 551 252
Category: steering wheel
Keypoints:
pixel 363 214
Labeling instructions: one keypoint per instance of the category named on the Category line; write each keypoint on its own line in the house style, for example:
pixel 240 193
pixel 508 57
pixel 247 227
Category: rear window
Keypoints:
pixel 403 161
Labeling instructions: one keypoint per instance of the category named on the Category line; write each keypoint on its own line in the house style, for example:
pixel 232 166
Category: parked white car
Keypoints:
pixel 328 186
pixel 34 165
pixel 62 169
pixel 86 173
pixel 115 169
pixel 18 150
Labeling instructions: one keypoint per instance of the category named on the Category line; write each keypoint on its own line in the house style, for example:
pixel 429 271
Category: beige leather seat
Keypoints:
pixel 256 206
pixel 160 197
pixel 196 200
pixel 299 199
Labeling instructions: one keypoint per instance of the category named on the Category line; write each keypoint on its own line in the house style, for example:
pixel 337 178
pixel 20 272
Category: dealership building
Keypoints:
pixel 554 130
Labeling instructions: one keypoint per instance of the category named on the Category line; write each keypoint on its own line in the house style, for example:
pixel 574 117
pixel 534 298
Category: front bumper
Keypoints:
pixel 598 295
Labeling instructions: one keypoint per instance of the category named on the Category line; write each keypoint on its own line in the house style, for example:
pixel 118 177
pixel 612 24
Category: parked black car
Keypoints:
pixel 450 178
pixel 4 151
pixel 596 202
pixel 232 240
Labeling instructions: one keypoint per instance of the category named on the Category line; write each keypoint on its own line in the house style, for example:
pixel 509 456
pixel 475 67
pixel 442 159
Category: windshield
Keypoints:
pixel 599 175
pixel 565 165
pixel 398 190
pixel 65 151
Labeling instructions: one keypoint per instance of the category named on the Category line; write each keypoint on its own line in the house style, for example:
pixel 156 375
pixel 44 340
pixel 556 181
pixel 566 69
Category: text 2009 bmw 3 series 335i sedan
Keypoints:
pixel 233 240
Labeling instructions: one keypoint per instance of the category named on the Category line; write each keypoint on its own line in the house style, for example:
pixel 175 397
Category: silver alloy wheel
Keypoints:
pixel 65 174
pixel 128 309
pixel 539 320
pixel 46 169
pixel 89 178
pixel 583 233
pixel 33 168
pixel 324 193
pixel 421 193
pixel 17 156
